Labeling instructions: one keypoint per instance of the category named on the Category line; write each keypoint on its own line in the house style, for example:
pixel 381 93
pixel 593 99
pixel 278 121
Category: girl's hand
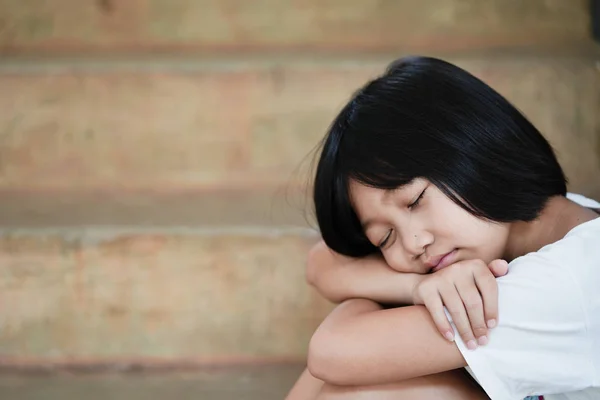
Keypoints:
pixel 469 291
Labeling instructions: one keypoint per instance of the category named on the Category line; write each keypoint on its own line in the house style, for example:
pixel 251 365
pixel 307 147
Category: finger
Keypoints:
pixel 436 308
pixel 473 303
pixel 498 268
pixel 488 288
pixel 456 308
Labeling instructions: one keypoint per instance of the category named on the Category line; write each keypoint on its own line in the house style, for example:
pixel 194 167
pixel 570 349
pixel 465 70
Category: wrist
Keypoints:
pixel 398 288
pixel 414 282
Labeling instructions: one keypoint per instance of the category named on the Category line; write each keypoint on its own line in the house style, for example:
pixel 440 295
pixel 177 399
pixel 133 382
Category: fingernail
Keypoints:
pixel 483 340
pixel 448 335
pixel 471 345
pixel 491 323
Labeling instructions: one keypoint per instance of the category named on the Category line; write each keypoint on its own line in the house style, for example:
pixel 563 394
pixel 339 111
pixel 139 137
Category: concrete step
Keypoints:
pixel 146 135
pixel 151 297
pixel 234 26
pixel 166 129
pixel 269 382
pixel 283 206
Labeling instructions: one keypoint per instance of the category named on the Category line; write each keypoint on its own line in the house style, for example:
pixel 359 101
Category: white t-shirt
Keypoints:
pixel 547 341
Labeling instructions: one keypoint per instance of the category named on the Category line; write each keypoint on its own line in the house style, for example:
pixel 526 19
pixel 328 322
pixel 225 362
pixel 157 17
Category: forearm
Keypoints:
pixel 368 278
pixel 361 344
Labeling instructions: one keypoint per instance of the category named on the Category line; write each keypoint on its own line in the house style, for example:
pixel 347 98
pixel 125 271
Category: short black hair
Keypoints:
pixel 427 118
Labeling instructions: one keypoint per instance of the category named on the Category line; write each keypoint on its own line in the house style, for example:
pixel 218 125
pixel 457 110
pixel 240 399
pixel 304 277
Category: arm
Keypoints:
pixel 545 326
pixel 340 278
pixel 361 344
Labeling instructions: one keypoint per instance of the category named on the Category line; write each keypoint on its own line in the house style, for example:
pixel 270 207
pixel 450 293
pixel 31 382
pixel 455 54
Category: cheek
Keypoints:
pixel 391 257
pixel 492 241
pixel 397 260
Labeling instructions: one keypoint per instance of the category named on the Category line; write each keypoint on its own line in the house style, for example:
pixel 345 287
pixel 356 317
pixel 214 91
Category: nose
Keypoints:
pixel 416 240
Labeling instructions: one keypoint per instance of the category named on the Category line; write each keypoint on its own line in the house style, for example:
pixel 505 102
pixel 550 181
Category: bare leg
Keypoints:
pixel 451 385
pixel 306 387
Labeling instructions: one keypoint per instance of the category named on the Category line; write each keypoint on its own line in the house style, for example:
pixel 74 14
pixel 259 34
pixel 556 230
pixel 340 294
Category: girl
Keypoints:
pixel 426 180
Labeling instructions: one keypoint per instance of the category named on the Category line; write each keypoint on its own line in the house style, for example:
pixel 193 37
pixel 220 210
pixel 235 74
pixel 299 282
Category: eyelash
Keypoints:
pixel 417 201
pixel 410 206
pixel 386 239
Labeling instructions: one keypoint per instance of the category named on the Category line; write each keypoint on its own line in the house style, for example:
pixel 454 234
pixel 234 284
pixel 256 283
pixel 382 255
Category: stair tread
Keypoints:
pixel 249 382
pixel 267 207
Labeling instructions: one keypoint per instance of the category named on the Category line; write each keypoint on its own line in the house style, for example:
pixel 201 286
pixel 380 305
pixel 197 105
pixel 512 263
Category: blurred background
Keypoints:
pixel 154 163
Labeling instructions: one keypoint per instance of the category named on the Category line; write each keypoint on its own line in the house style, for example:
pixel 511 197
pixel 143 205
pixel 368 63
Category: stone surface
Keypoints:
pixel 250 383
pixel 140 129
pixel 102 295
pixel 208 129
pixel 268 206
pixel 161 130
pixel 235 25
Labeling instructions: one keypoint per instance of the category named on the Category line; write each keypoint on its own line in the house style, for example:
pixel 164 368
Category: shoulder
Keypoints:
pixel 570 263
pixel 577 254
pixel 583 201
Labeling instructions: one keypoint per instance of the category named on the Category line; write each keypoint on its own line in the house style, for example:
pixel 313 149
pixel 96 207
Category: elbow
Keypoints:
pixel 325 358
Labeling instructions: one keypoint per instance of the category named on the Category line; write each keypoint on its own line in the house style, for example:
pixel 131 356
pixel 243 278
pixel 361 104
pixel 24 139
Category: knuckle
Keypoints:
pixel 479 330
pixel 462 263
pixel 431 306
pixel 473 304
pixel 479 334
pixel 434 288
pixel 465 333
pixel 450 268
pixel 455 310
pixel 448 278
pixel 455 270
pixel 489 283
pixel 486 276
pixel 475 263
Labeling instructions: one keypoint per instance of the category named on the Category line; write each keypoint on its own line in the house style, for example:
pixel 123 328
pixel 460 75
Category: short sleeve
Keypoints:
pixel 541 344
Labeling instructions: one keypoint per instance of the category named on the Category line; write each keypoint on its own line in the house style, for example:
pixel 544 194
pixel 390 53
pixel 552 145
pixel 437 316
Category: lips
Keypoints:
pixel 441 261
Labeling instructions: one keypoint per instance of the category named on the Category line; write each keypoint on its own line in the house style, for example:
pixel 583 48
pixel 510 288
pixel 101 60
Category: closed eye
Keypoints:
pixel 417 201
pixel 385 240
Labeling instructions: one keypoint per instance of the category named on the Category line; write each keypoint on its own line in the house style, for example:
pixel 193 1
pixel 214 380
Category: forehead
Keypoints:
pixel 360 194
pixel 363 197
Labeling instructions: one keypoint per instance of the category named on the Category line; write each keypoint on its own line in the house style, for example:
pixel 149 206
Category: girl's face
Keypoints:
pixel 419 229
